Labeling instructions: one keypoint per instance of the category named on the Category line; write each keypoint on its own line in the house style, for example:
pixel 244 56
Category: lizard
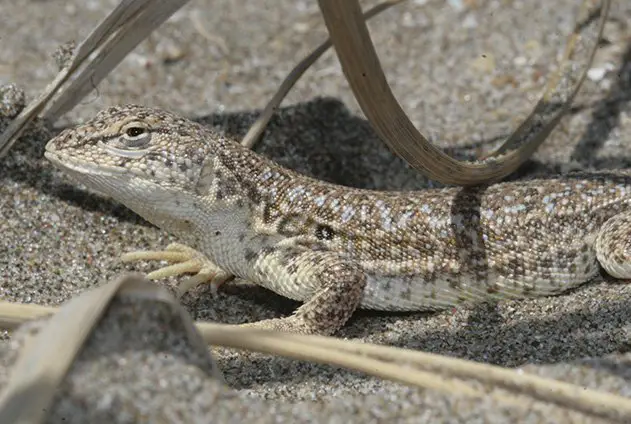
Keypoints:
pixel 337 248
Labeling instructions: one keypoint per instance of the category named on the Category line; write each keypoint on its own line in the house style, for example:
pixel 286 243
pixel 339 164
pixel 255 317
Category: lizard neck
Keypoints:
pixel 239 171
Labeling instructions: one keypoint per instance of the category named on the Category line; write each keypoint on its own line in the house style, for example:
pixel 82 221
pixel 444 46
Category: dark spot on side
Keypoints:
pixel 291 225
pixel 268 250
pixel 241 237
pixel 254 196
pixel 217 233
pixel 267 214
pixel 249 255
pixel 228 187
pixel 292 268
pixel 251 190
pixel 324 232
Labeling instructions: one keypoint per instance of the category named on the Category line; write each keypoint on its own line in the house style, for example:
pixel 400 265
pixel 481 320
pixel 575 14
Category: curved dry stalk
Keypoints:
pixel 561 88
pixel 360 63
pixel 130 23
pixel 415 368
pixel 47 355
pixel 563 394
pixel 95 57
pixel 329 350
pixel 257 128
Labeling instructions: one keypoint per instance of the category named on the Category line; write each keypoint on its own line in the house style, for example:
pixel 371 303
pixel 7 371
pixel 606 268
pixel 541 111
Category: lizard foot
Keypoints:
pixel 185 260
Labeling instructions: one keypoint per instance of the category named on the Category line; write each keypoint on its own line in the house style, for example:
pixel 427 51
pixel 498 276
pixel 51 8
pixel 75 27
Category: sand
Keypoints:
pixel 465 72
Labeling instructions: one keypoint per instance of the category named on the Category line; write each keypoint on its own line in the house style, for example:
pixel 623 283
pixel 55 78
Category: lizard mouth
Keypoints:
pixel 69 163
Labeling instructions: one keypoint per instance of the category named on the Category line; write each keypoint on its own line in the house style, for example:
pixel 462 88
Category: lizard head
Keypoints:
pixel 136 141
pixel 140 156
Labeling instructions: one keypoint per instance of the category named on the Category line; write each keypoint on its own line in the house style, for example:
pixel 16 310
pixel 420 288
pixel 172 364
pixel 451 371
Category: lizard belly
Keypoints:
pixel 407 293
pixel 415 293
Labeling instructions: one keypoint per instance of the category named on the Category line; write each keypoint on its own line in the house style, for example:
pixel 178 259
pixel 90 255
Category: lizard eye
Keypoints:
pixel 133 141
pixel 136 136
pixel 134 132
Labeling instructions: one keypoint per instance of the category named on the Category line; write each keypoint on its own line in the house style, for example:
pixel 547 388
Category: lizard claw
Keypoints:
pixel 185 260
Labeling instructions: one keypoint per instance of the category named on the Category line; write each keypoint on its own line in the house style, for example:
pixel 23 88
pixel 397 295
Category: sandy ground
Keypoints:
pixel 465 72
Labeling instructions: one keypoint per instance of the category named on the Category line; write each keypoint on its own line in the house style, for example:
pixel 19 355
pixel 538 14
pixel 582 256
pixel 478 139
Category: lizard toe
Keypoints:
pixel 184 260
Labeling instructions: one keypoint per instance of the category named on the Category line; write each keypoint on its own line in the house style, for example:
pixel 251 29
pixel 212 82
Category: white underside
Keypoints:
pixel 415 294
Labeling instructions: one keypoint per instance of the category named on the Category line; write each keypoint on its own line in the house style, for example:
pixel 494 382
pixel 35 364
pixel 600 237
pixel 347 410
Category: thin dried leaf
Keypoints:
pixel 415 368
pixel 363 71
pixel 47 356
pixel 255 131
pixel 119 33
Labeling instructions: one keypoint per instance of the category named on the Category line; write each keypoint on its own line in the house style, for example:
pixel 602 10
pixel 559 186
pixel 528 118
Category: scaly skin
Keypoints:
pixel 338 248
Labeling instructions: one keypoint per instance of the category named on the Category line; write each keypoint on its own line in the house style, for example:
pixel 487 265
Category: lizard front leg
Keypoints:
pixel 331 287
pixel 185 260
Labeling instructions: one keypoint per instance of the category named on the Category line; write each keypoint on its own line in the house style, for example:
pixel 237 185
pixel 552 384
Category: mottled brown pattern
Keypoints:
pixel 336 247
